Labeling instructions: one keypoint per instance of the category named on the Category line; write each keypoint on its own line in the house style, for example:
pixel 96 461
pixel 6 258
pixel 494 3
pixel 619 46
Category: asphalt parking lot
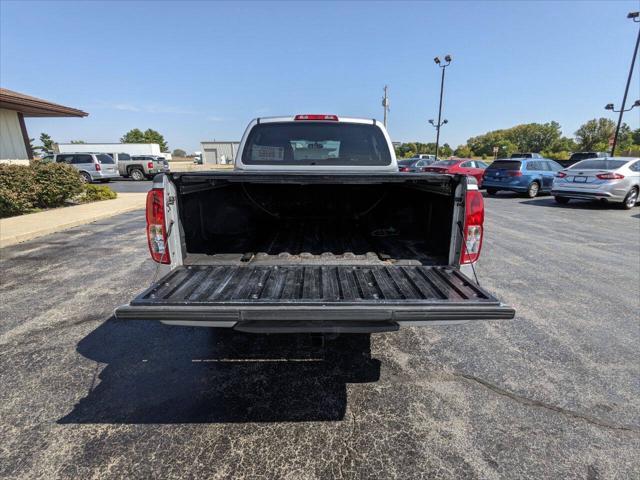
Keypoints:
pixel 126 185
pixel 554 393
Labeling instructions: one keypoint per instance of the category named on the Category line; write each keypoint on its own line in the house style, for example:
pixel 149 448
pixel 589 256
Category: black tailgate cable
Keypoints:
pixel 464 249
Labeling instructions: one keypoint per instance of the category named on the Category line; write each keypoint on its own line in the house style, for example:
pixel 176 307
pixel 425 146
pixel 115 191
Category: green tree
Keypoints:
pixel 77 142
pixel 178 152
pixel 151 136
pixel 148 136
pixel 444 151
pixel 635 136
pixel 133 136
pixel 463 151
pixel 47 142
pixel 594 135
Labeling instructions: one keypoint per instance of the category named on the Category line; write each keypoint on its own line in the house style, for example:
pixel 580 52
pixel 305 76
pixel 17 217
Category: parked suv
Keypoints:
pixel 523 175
pixel 139 167
pixel 92 166
pixel 579 156
pixel 526 155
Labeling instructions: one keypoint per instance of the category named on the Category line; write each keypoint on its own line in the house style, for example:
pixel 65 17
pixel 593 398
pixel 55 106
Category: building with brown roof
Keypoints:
pixel 14 107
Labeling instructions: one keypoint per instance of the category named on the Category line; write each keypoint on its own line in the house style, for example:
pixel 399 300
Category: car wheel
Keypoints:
pixel 631 199
pixel 137 174
pixel 492 191
pixel 86 178
pixel 561 200
pixel 533 190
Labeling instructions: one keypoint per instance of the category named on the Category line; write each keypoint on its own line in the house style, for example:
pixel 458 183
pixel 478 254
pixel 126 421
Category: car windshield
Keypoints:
pixel 104 158
pixel 520 155
pixel 599 164
pixel 576 157
pixel 316 143
pixel 504 165
pixel 124 156
pixel 444 163
pixel 406 163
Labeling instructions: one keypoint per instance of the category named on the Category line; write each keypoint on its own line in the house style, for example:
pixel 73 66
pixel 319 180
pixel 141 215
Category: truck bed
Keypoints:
pixel 336 296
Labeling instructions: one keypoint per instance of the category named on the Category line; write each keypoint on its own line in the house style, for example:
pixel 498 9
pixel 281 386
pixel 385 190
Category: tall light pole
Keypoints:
pixel 635 16
pixel 443 66
pixel 385 105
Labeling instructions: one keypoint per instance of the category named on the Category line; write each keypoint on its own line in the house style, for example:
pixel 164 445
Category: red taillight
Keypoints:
pixel 150 165
pixel 514 173
pixel 404 169
pixel 98 167
pixel 561 174
pixel 610 176
pixel 156 230
pixel 331 118
pixel 473 222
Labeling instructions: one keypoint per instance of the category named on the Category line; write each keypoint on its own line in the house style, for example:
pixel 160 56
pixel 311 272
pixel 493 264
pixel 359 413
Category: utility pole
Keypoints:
pixel 385 105
pixel 635 16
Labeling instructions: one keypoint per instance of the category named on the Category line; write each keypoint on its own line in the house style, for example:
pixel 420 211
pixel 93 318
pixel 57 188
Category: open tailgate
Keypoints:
pixel 315 298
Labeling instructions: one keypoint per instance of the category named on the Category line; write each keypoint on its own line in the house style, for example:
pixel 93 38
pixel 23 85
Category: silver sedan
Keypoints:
pixel 611 179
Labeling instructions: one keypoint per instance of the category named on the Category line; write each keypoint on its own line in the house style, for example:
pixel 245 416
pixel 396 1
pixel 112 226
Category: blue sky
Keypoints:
pixel 201 70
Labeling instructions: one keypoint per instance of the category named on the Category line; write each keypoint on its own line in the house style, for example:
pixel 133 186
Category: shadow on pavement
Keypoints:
pixel 573 204
pixel 157 373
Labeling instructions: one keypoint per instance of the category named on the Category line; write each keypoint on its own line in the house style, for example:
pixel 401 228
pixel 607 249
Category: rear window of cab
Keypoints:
pixel 316 143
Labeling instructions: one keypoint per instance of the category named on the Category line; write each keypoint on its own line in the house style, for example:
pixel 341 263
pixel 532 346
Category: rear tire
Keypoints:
pixel 561 200
pixel 491 191
pixel 136 174
pixel 533 190
pixel 86 178
pixel 631 199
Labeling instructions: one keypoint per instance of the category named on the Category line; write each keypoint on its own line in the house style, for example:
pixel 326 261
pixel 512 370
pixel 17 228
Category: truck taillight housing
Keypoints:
pixel 473 223
pixel 156 230
pixel 150 165
pixel 98 167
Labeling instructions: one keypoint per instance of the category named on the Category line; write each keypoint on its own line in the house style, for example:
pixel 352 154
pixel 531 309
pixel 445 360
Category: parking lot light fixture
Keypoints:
pixel 635 16
pixel 443 66
pixel 609 106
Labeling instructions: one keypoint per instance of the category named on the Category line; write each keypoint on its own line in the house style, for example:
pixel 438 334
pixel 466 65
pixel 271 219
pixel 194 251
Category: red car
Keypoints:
pixel 463 166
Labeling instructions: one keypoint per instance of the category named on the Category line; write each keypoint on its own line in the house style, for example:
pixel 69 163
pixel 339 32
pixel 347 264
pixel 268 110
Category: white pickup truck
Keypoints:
pixel 314 230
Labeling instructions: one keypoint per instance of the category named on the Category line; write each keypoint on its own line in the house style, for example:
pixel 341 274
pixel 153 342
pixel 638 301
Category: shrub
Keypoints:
pixel 557 155
pixel 93 193
pixel 57 183
pixel 18 189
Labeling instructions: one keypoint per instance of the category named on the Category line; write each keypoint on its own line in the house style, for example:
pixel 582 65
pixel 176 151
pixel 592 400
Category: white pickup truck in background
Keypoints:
pixel 314 230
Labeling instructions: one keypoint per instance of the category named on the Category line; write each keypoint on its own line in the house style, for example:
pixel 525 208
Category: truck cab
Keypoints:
pixel 314 230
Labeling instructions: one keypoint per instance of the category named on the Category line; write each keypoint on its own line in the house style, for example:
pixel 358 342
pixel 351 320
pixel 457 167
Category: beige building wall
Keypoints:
pixel 11 141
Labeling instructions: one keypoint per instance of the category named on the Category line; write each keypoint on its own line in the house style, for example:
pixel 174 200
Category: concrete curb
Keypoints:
pixel 27 227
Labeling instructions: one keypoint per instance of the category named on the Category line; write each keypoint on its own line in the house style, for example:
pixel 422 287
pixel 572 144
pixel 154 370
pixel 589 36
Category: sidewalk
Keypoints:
pixel 25 227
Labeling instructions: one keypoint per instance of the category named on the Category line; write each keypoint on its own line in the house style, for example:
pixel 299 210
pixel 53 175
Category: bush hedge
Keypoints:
pixel 94 193
pixel 40 185
pixel 18 190
pixel 57 182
